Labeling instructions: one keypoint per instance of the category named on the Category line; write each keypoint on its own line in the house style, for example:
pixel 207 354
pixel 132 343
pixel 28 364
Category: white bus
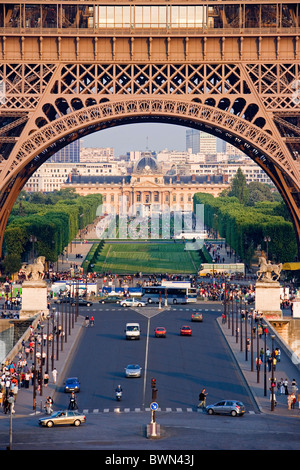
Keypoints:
pixel 221 268
pixel 176 293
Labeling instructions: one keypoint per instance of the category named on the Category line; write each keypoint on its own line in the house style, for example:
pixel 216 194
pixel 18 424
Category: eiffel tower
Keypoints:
pixel 230 68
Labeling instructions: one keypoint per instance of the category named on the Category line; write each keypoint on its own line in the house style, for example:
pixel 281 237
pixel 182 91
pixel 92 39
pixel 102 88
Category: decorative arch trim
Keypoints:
pixel 186 112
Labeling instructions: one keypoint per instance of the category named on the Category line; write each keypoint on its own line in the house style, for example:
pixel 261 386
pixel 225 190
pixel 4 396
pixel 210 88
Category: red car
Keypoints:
pixel 160 332
pixel 185 331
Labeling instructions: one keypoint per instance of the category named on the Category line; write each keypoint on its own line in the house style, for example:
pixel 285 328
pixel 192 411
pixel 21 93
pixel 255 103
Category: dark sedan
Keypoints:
pixel 72 301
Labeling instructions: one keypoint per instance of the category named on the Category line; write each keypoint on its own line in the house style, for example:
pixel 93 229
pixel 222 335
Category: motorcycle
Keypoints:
pixel 118 395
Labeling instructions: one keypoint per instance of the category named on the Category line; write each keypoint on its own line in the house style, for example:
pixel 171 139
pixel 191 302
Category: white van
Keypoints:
pixel 132 331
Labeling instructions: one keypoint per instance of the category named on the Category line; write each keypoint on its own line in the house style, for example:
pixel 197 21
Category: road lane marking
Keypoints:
pixel 146 361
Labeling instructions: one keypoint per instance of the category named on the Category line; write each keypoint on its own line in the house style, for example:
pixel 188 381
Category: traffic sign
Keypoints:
pixel 154 406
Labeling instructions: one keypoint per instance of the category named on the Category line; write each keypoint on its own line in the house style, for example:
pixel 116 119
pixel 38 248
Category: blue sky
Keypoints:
pixel 139 137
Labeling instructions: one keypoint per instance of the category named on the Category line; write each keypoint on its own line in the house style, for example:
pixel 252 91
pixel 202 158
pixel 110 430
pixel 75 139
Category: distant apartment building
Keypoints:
pixel 95 154
pixel 252 172
pixel 68 154
pixel 51 176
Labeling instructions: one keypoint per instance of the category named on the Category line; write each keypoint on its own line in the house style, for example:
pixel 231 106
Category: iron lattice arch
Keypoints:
pixel 251 106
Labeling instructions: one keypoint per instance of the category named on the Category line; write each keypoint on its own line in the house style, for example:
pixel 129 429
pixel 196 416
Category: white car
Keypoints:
pixel 133 370
pixel 132 303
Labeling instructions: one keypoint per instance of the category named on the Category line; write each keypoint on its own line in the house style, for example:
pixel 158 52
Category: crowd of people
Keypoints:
pixel 26 369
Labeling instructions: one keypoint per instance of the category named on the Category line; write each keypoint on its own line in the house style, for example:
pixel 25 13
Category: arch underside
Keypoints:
pixel 43 142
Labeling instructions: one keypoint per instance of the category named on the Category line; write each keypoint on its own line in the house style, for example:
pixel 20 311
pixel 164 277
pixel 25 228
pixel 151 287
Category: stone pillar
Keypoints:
pixel 34 299
pixel 267 299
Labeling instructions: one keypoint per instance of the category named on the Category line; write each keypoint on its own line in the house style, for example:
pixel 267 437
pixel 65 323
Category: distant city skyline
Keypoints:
pixel 139 137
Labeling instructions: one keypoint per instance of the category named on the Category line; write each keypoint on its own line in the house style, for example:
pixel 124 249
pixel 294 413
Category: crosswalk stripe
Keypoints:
pixel 138 410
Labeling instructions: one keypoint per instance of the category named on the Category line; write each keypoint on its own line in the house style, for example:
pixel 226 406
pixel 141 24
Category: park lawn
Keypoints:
pixel 148 258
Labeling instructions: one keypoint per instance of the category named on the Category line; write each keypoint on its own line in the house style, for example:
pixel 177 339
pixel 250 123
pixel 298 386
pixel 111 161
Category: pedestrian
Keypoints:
pixel 270 363
pixel 202 399
pixel 289 401
pixel 54 375
pixel 285 384
pixel 27 379
pixel 46 378
pixel 294 386
pixel 293 400
pixel 48 405
pixel 282 391
pixel 258 362
pixel 298 399
pixel 261 354
pixel 11 402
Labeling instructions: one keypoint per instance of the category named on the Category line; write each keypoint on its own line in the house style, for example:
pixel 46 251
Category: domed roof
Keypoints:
pixel 147 164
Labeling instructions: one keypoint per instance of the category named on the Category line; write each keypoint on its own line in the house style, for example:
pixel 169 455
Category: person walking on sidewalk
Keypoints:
pixel 298 399
pixel 54 375
pixel 202 399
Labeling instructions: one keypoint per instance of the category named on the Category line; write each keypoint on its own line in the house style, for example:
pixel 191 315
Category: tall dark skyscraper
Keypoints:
pixel 68 154
pixel 193 140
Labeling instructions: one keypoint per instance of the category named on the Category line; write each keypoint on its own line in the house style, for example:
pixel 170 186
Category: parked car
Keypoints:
pixel 72 384
pixel 71 417
pixel 110 299
pixel 132 303
pixel 160 332
pixel 64 300
pixel 133 370
pixel 72 301
pixel 228 407
pixel 186 331
pixel 197 317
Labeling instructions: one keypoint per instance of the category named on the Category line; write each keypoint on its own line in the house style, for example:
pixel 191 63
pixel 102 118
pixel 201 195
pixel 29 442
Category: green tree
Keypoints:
pixel 239 187
pixel 11 264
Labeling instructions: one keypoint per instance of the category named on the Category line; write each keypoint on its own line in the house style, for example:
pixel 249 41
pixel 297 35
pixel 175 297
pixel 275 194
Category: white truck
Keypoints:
pixel 132 331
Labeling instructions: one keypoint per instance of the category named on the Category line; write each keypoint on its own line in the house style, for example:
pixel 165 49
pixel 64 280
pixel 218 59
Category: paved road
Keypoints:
pixel 115 431
pixel 182 366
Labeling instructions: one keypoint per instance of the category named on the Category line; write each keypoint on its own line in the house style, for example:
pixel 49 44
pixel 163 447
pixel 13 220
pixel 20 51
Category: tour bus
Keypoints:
pixel 176 292
pixel 221 268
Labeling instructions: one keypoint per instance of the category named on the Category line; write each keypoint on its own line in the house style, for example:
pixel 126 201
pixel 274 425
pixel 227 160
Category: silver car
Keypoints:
pixel 63 417
pixel 132 303
pixel 228 407
pixel 133 370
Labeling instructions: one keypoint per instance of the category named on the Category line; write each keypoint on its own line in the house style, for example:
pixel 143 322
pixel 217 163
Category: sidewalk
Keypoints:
pixel 285 369
pixel 24 401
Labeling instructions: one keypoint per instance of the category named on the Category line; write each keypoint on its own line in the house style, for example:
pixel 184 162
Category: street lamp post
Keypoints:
pixel 272 378
pixel 267 239
pixel 34 374
pixel 265 360
pixel 41 368
pixel 52 355
pixel 252 338
pixel 33 240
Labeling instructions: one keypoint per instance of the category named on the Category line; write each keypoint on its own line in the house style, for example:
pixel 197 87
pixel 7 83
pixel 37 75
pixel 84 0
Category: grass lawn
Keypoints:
pixel 146 257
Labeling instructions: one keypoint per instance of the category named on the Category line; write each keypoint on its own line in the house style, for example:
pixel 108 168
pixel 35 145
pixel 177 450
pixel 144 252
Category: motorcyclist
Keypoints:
pixel 119 392
pixel 73 404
